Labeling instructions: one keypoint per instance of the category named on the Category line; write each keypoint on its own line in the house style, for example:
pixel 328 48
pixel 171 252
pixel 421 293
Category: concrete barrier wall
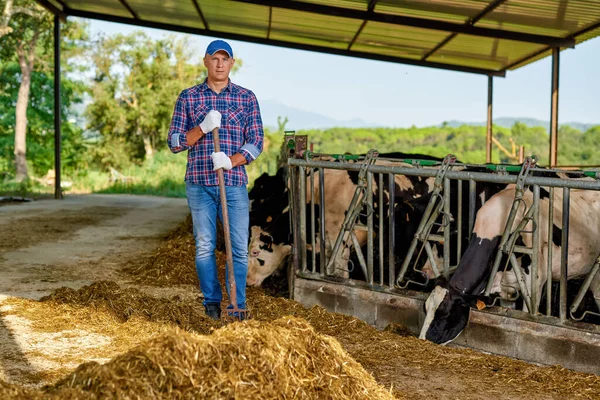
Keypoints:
pixel 499 331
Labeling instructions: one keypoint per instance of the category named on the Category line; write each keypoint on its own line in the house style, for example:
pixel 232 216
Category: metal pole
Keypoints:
pixel 312 220
pixel 564 254
pixel 322 220
pixel 459 220
pixel 370 227
pixel 447 228
pixel 472 201
pixel 380 232
pixel 550 244
pixel 57 189
pixel 302 216
pixel 391 231
pixel 554 109
pixel 535 246
pixel 488 137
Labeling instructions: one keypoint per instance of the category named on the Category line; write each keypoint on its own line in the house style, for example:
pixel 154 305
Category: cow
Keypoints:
pixel 411 195
pixel 269 199
pixel 448 306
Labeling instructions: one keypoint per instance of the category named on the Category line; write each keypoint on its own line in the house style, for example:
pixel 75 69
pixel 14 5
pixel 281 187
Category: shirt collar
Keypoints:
pixel 231 87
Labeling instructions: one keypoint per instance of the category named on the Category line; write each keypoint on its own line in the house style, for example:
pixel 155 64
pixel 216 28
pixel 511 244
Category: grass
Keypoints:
pixel 163 175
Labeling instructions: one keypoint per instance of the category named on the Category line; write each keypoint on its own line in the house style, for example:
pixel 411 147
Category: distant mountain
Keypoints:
pixel 508 122
pixel 300 119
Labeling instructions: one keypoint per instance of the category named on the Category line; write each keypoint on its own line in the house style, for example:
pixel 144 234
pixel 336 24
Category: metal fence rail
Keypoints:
pixel 390 277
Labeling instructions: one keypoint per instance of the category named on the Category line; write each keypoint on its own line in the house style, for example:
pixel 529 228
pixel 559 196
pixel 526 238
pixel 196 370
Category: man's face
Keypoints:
pixel 218 65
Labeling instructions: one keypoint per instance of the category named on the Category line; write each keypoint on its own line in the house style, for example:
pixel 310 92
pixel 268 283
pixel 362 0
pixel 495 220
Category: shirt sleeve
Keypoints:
pixel 253 132
pixel 177 139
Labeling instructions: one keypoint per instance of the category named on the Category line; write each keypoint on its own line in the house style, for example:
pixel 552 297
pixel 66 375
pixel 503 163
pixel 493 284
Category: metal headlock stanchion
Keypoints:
pixel 509 238
pixel 359 200
pixel 582 291
pixel 423 234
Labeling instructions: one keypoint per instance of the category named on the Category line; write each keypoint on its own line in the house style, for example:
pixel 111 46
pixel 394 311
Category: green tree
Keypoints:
pixel 26 42
pixel 27 84
pixel 137 80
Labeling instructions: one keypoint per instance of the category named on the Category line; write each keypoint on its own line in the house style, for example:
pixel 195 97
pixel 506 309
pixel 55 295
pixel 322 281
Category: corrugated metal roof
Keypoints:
pixel 481 36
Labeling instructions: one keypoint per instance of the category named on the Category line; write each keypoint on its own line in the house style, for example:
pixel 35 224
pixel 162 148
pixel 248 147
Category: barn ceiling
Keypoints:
pixel 478 36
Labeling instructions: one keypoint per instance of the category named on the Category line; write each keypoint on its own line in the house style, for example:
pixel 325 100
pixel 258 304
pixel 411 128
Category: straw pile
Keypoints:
pixel 173 262
pixel 397 350
pixel 129 302
pixel 282 359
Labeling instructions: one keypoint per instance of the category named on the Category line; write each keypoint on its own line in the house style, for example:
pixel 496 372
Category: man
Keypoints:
pixel 217 103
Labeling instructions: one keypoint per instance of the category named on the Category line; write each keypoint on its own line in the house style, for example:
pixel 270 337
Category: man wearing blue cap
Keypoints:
pixel 218 103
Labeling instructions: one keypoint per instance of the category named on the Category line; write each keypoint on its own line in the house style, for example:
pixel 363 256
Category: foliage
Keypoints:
pixel 466 142
pixel 40 109
pixel 137 80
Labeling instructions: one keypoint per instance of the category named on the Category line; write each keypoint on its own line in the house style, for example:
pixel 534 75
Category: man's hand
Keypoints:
pixel 220 160
pixel 211 121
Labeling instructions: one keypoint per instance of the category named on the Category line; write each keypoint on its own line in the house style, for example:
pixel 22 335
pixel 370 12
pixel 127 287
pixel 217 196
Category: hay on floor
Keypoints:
pixel 129 302
pixel 282 359
pixel 173 263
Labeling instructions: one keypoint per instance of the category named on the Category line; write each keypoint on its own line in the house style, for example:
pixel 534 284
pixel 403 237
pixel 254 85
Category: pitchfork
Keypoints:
pixel 234 313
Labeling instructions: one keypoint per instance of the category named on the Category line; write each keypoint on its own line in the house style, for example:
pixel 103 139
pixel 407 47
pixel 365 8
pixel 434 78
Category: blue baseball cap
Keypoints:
pixel 217 45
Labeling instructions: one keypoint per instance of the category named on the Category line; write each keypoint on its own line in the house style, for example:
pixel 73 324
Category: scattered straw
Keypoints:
pixel 282 359
pixel 397 350
pixel 125 303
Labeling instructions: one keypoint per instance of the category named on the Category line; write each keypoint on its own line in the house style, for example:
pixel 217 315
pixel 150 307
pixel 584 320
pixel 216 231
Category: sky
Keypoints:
pixel 398 95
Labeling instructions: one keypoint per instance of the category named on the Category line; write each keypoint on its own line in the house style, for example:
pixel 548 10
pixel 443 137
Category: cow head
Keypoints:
pixel 447 313
pixel 264 256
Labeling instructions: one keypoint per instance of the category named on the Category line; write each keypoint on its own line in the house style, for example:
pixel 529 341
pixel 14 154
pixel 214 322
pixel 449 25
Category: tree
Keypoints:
pixel 27 86
pixel 8 12
pixel 25 32
pixel 137 80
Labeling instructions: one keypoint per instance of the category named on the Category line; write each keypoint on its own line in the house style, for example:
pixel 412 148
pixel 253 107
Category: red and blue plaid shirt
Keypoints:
pixel 241 131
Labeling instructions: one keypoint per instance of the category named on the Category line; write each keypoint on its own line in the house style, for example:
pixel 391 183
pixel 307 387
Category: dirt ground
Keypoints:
pixel 50 244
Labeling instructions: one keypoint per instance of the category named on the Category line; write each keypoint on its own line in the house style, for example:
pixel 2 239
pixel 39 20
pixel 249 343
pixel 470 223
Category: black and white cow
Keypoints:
pixel 268 198
pixel 411 196
pixel 269 202
pixel 448 305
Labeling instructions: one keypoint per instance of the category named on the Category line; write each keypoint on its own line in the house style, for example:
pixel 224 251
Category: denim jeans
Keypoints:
pixel 205 205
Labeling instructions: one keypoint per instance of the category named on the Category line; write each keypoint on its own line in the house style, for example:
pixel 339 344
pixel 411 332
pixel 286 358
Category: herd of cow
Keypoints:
pixel 447 307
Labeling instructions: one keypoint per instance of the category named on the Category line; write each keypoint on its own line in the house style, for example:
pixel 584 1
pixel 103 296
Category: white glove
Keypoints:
pixel 220 160
pixel 211 121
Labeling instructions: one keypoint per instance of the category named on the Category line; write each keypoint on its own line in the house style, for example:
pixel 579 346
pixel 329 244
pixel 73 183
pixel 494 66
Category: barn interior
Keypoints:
pixel 373 326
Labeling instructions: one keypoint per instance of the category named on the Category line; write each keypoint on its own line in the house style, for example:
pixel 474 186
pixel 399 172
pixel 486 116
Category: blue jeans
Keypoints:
pixel 205 205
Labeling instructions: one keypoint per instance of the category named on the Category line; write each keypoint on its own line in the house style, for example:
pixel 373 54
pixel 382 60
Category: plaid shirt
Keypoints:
pixel 241 131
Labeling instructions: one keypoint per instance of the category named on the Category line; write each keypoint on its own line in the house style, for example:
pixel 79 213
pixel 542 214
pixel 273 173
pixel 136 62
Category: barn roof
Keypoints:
pixel 479 36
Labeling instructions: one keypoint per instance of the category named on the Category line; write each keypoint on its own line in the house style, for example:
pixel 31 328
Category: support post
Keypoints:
pixel 57 189
pixel 488 137
pixel 553 159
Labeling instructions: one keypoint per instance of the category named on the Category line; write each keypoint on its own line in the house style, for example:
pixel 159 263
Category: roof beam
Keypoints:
pixel 413 22
pixel 537 53
pixel 124 3
pixel 362 26
pixel 281 43
pixel 270 22
pixel 200 14
pixel 53 9
pixel 459 11
pixel 471 21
